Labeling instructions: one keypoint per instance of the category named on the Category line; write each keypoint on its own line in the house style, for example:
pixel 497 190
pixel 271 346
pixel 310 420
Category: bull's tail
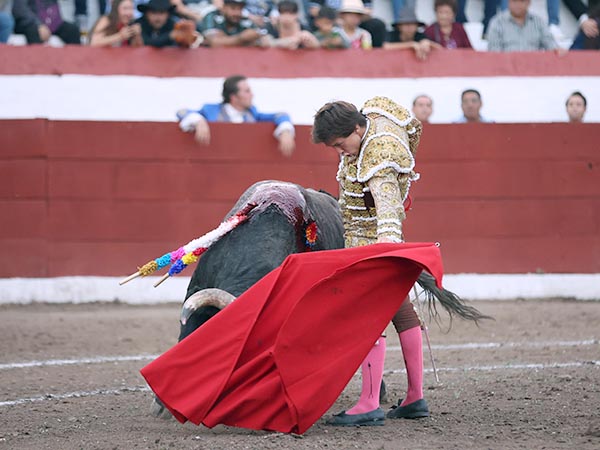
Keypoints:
pixel 452 303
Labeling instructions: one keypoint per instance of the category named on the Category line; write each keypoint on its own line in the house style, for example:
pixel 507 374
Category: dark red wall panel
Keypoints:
pixel 23 178
pixel 100 198
pixel 24 257
pixel 23 219
pixel 22 138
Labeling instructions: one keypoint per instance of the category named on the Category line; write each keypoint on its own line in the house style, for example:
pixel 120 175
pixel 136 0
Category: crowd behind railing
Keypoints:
pixel 237 107
pixel 508 25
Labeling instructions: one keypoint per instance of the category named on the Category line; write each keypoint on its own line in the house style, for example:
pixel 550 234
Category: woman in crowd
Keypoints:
pixel 116 28
pixel 446 31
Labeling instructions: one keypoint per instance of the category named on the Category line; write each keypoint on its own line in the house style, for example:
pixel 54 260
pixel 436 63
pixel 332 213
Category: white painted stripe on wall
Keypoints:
pixel 92 289
pixel 141 291
pixel 510 286
pixel 137 98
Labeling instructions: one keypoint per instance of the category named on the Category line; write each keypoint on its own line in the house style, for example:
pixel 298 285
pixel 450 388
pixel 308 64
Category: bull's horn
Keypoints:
pixel 206 297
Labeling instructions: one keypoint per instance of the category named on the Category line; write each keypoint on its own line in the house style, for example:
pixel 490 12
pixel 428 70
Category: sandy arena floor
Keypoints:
pixel 531 379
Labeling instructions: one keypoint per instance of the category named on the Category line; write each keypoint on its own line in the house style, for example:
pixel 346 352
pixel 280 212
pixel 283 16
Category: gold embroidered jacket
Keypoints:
pixel 374 184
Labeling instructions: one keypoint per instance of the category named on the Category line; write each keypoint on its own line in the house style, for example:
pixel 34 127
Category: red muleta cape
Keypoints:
pixel 278 357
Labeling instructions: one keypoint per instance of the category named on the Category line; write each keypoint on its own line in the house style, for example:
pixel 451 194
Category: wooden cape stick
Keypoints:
pixel 130 277
pixel 162 279
pixel 426 331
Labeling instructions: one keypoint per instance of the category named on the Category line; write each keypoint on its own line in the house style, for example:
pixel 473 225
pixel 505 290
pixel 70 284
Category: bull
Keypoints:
pixel 285 219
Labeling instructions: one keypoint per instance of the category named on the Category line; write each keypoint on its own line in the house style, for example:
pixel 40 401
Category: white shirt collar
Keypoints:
pixel 366 131
pixel 234 115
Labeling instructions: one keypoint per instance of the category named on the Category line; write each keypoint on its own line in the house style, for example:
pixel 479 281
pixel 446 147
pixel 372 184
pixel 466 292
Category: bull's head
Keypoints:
pixel 196 310
pixel 200 307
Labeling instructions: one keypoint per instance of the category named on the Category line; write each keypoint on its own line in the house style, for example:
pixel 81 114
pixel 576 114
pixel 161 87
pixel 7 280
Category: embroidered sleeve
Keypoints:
pixel 385 189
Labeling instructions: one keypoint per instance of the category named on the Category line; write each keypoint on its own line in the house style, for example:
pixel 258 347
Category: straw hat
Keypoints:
pixel 353 6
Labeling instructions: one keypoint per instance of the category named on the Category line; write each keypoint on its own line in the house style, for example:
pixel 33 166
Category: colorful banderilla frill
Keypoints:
pixel 190 253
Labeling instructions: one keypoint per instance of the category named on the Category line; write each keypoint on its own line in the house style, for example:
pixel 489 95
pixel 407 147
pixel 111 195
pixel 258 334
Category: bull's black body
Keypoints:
pixel 253 249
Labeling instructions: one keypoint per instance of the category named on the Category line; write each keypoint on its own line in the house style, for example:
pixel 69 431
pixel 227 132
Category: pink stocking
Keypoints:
pixel 372 374
pixel 412 350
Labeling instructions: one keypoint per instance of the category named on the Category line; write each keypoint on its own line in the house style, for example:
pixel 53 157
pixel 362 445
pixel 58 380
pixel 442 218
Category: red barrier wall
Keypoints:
pixel 100 198
pixel 278 63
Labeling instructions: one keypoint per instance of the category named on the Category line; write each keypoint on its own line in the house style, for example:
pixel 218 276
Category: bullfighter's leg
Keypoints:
pixel 372 374
pixel 407 324
pixel 367 411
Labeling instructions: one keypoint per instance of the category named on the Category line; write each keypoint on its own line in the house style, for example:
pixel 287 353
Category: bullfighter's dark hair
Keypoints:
pixel 451 3
pixel 470 91
pixel 577 94
pixel 230 86
pixel 336 120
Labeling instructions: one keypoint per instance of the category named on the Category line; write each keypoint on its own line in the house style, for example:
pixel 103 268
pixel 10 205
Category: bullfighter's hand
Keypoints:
pixel 202 133
pixel 286 143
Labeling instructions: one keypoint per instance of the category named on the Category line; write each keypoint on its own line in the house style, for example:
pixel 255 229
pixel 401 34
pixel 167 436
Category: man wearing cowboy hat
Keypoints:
pixel 408 33
pixel 159 29
pixel 228 27
pixel 157 23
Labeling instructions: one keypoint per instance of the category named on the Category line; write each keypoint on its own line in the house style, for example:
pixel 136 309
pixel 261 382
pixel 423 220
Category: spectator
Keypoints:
pixel 81 13
pixel 260 11
pixel 40 19
pixel 374 26
pixel 236 108
pixel 192 12
pixel 228 28
pixel 576 106
pixel 157 23
pixel 159 28
pixel 490 8
pixel 7 23
pixel 446 31
pixel 114 29
pixel 288 32
pixel 517 30
pixel 422 108
pixel 328 34
pixel 588 37
pixel 471 105
pixel 352 13
pixel 407 34
pixel 398 6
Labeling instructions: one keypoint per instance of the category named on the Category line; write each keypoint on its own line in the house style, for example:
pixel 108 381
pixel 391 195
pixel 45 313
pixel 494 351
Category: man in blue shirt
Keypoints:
pixel 236 108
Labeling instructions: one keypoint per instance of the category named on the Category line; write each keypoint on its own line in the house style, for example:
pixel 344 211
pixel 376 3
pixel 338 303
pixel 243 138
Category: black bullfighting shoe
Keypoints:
pixel 369 419
pixel 415 410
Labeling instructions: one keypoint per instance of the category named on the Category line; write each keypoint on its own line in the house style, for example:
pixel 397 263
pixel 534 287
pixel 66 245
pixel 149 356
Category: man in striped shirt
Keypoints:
pixel 517 30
